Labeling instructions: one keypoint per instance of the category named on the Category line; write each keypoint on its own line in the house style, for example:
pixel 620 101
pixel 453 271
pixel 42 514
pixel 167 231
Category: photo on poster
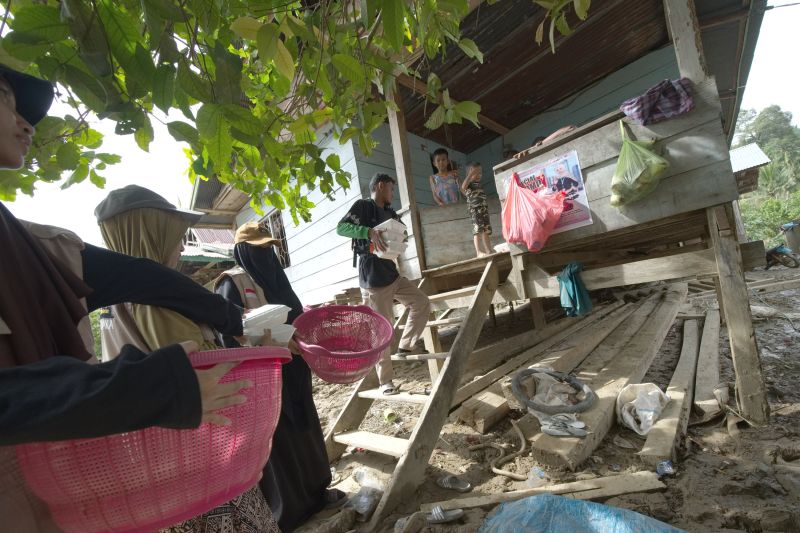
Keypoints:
pixel 561 174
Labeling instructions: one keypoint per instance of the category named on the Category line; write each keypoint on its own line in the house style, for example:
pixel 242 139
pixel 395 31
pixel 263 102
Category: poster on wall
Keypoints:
pixel 562 173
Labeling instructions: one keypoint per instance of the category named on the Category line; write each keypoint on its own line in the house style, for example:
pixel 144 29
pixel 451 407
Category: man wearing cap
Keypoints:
pixel 378 278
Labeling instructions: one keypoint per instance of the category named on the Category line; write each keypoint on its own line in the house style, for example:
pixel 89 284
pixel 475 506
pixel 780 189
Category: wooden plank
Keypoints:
pixel 477 385
pixel 708 367
pixel 405 176
pixel 471 265
pixel 697 263
pixel 490 406
pixel 604 487
pixel 350 417
pixel 420 357
pixel 761 287
pixel 506 292
pixel 664 437
pixel 402 397
pixel 411 467
pixel 629 366
pixel 537 313
pixel 751 392
pixel 374 442
pixel 685 32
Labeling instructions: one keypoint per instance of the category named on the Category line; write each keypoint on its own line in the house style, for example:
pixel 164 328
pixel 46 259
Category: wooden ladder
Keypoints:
pixel 414 453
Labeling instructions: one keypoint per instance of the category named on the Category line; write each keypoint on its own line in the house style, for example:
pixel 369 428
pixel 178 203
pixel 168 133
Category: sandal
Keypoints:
pixel 451 482
pixel 440 516
pixel 335 498
pixel 388 389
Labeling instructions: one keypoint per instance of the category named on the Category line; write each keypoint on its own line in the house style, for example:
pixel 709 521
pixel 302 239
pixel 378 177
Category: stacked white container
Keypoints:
pixel 395 236
pixel 268 317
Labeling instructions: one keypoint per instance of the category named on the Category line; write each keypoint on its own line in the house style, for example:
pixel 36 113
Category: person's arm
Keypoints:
pixel 64 398
pixel 351 225
pixel 227 289
pixel 118 278
pixel 436 198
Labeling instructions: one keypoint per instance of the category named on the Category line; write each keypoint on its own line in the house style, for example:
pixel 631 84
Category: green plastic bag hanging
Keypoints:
pixel 638 171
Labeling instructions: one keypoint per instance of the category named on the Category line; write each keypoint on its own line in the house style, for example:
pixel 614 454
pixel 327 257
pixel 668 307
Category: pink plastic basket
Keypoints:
pixel 341 343
pixel 148 479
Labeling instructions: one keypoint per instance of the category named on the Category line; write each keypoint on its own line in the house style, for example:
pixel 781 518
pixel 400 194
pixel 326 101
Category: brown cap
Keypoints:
pixel 255 234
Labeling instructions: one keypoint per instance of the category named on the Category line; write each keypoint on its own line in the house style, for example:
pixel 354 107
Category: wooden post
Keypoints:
pixel 750 389
pixel 405 177
pixel 685 32
pixel 537 311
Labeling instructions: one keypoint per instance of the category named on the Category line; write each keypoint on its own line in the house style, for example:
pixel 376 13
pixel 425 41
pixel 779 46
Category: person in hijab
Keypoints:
pixel 47 391
pixel 297 475
pixel 138 222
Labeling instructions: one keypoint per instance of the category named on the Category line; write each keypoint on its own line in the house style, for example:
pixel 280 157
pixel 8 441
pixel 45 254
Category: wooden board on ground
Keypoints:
pixel 707 378
pixel 604 487
pixel 628 367
pixel 663 438
pixel 489 407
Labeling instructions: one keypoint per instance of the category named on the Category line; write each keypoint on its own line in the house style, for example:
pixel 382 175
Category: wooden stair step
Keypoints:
pixel 404 397
pixel 374 442
pixel 443 322
pixel 421 357
pixel 458 293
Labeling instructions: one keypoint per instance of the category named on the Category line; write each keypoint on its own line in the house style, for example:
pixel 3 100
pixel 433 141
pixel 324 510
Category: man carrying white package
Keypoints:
pixel 378 277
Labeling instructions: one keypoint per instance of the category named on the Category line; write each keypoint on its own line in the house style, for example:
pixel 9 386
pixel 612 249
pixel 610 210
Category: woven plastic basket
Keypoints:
pixel 341 343
pixel 148 479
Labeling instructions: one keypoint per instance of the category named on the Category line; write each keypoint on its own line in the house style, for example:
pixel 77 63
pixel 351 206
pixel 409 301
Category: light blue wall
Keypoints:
pixel 591 103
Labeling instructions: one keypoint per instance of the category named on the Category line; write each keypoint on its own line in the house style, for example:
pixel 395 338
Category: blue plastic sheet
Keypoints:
pixel 557 514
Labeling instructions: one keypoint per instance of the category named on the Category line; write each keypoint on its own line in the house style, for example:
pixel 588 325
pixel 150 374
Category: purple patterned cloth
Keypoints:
pixel 668 99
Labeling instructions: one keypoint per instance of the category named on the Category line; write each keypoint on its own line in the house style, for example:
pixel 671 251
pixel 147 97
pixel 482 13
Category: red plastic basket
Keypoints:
pixel 148 479
pixel 341 343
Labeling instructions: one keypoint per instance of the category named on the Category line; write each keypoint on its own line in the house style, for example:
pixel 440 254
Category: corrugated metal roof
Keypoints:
pixel 748 156
pixel 213 236
pixel 199 255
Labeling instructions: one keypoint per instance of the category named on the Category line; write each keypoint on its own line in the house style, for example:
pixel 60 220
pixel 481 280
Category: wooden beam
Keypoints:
pixel 405 176
pixel 420 87
pixel 604 487
pixel 664 437
pixel 685 32
pixel 411 467
pixel 629 366
pixel 751 392
pixel 720 20
pixel 537 313
pixel 692 264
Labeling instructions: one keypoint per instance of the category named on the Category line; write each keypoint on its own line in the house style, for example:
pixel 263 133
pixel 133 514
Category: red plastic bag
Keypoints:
pixel 530 217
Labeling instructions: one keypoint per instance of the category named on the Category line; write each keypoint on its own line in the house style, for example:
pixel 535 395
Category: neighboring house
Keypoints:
pixel 528 92
pixel 745 162
pixel 206 253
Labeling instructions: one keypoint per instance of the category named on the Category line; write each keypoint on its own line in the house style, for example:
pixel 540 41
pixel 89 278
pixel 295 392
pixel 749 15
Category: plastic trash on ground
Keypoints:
pixel 548 513
pixel 365 501
pixel 639 406
pixel 638 170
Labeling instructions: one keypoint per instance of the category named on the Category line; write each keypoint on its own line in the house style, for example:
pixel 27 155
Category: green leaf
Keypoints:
pixel 540 33
pixel 284 61
pixel 246 28
pixel 446 99
pixel 144 135
pixel 333 162
pixel 96 179
pixel 109 159
pixel 393 13
pixel 243 120
pixel 85 28
pixel 469 111
pixel 562 25
pixel 164 87
pixel 228 75
pixel 40 21
pixel 77 176
pixel 436 119
pixel 121 29
pixel 214 130
pixel 267 42
pixel 469 47
pixel 68 156
pixel 183 132
pixel 582 8
pixel 195 86
pixel 165 9
pixel 350 68
pixel 87 88
pixel 89 138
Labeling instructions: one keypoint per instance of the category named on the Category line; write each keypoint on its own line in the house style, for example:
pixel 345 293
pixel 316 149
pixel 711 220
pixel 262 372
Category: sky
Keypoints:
pixel 772 81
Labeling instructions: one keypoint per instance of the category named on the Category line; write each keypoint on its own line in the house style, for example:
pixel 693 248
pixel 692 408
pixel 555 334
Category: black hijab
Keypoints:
pixel 263 266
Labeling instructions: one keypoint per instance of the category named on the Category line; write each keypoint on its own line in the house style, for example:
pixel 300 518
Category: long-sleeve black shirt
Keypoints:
pixel 62 397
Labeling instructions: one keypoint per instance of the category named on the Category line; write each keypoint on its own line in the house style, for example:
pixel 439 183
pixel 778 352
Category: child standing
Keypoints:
pixel 478 209
pixel 444 181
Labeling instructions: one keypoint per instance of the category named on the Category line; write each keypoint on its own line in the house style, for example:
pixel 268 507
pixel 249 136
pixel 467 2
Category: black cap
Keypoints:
pixel 34 96
pixel 136 197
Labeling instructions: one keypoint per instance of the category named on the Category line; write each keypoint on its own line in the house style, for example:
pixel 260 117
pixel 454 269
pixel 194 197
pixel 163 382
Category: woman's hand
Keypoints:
pixel 215 396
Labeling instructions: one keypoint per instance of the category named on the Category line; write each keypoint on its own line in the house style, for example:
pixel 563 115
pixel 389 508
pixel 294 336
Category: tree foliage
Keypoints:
pixel 777 199
pixel 253 79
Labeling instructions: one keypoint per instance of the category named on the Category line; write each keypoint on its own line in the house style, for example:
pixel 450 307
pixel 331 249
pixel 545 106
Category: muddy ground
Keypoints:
pixel 723 483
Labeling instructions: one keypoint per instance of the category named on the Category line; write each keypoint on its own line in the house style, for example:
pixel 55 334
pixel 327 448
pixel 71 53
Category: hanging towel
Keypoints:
pixel 668 99
pixel 574 297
